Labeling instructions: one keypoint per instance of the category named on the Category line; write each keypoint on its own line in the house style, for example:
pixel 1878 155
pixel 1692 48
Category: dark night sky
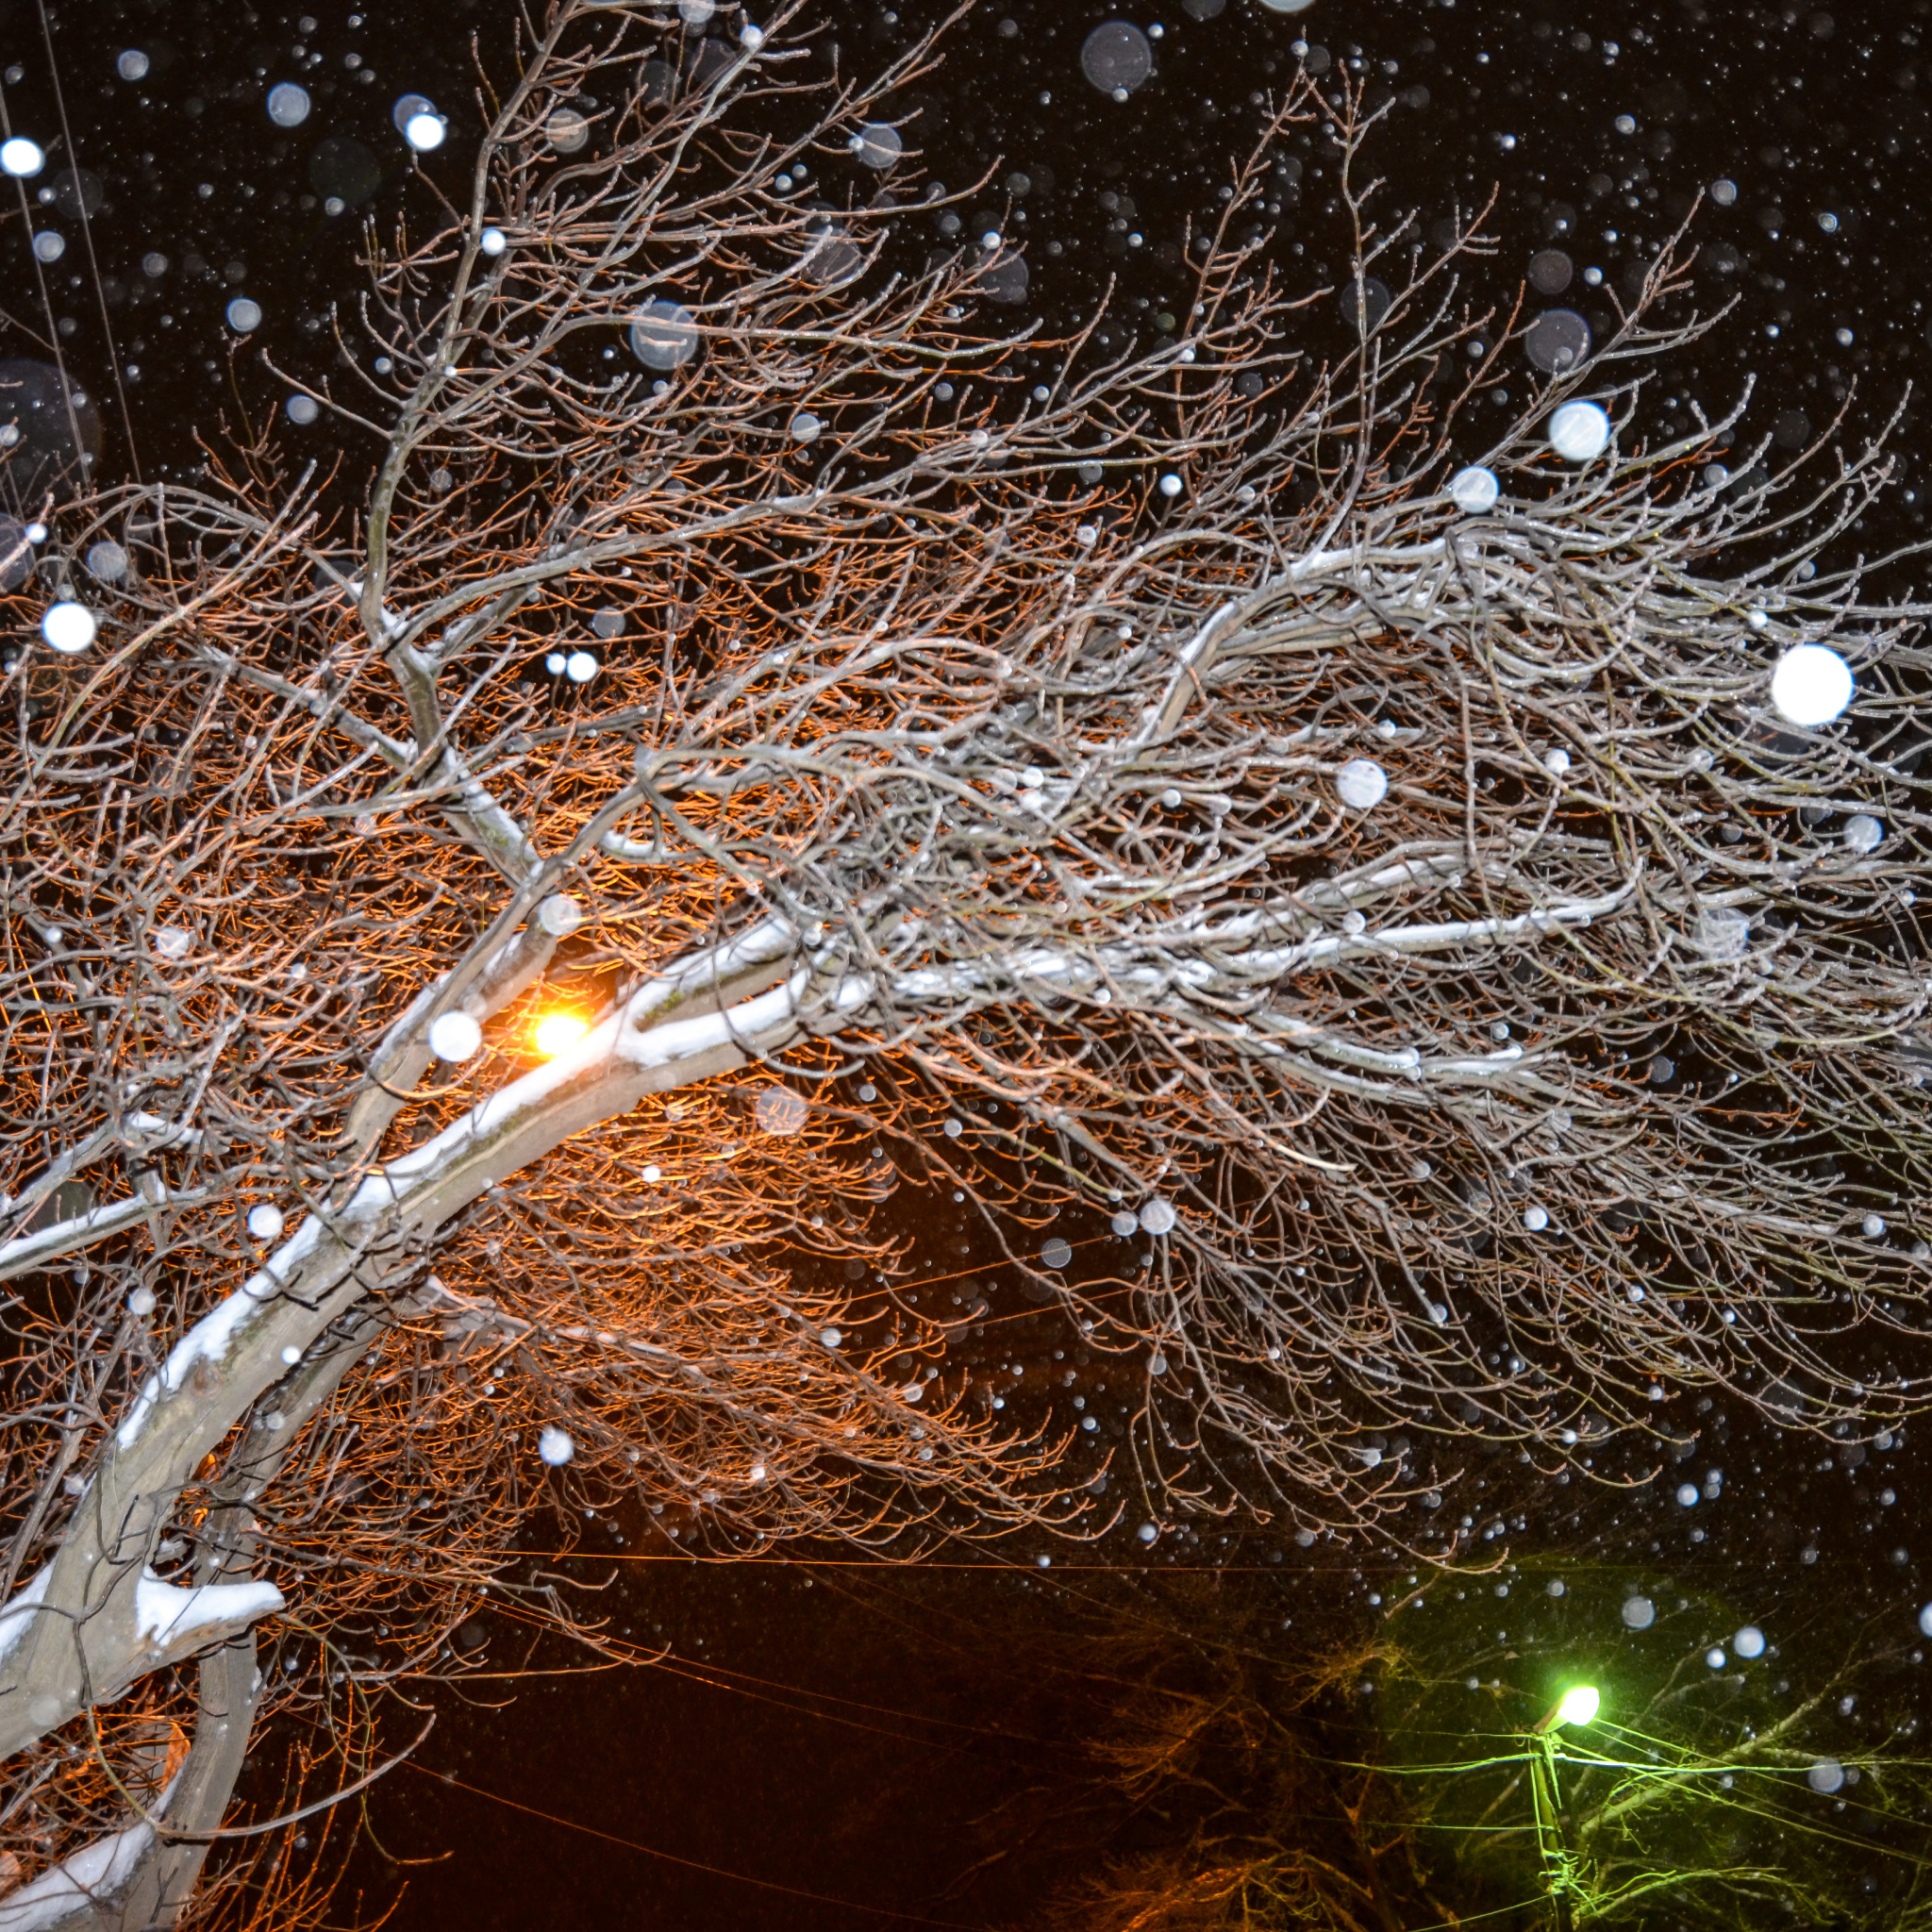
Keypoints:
pixel 1597 128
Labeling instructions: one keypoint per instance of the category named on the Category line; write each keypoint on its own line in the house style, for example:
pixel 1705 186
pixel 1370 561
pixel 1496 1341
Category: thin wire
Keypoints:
pixel 693 1864
pixel 87 234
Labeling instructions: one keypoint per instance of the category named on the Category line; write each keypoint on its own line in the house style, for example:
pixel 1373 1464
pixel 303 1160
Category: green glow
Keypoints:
pixel 1580 1705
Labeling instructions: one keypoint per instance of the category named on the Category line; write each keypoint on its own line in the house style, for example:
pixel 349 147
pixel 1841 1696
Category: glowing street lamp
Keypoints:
pixel 558 1032
pixel 1579 1704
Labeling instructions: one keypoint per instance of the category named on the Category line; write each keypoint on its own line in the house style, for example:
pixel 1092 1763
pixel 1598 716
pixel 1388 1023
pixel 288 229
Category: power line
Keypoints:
pixel 844 1905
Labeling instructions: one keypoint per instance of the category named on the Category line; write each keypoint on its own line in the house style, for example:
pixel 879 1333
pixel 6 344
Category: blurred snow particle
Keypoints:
pixel 20 158
pixel 1639 1613
pixel 555 1447
pixel 779 1110
pixel 581 667
pixel 424 132
pixel 806 426
pixel 1361 784
pixel 1475 489
pixel 106 560
pixel 1364 303
pixel 664 336
pixel 1158 1216
pixel 877 145
pixel 1550 270
pixel 566 130
pixel 1147 1532
pixel 303 410
pixel 1124 1223
pixel 560 915
pixel 1722 932
pixel 1117 58
pixel 1580 432
pixel 264 1221
pixel 1056 1253
pixel 492 242
pixel 244 315
pixel 1723 192
pixel 1749 1641
pixel 1863 832
pixel 49 245
pixel 287 105
pixel 1556 341
pixel 1169 485
pixel 131 64
pixel 1687 1494
pixel 454 1035
pixel 1825 1776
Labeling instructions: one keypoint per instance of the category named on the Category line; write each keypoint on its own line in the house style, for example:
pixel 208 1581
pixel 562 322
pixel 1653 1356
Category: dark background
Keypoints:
pixel 834 1728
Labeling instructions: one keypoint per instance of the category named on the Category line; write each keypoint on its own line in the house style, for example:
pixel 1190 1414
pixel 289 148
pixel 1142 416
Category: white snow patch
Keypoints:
pixel 17 1615
pixel 97 1870
pixel 164 1613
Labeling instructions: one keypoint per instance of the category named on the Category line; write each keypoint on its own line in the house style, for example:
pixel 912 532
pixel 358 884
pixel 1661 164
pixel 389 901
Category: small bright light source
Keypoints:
pixel 20 157
pixel 558 1032
pixel 1579 1705
pixel 425 131
pixel 1811 684
pixel 68 627
pixel 1580 432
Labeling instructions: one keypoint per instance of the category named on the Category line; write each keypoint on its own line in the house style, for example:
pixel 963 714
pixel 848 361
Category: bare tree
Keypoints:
pixel 1692 1768
pixel 1134 765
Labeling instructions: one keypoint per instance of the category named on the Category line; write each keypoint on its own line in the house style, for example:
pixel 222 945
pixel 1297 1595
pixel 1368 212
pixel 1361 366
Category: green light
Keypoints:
pixel 1579 1705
